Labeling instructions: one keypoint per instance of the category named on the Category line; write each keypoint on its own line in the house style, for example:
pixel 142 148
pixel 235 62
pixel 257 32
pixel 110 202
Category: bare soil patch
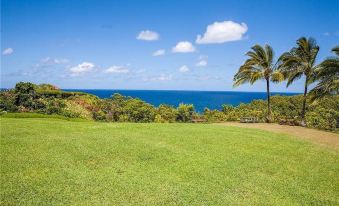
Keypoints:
pixel 323 138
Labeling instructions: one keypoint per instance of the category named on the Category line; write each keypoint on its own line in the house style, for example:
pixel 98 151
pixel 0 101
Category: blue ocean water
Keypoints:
pixel 200 99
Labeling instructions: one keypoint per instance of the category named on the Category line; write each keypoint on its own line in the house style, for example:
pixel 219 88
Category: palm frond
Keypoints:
pixel 336 50
pixel 269 54
pixel 327 75
pixel 300 60
pixel 277 76
pixel 293 76
pixel 255 76
pixel 257 66
pixel 327 86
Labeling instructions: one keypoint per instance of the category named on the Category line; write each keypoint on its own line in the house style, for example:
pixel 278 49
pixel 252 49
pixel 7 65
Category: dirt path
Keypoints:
pixel 327 139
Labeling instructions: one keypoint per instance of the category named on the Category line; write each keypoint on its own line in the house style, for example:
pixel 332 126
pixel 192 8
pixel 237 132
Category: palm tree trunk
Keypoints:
pixel 268 101
pixel 303 110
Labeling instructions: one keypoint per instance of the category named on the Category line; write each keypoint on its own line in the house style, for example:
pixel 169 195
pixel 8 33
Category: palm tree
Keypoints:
pixel 328 77
pixel 259 66
pixel 299 62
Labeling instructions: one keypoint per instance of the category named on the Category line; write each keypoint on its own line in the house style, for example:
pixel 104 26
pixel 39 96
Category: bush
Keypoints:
pixel 74 110
pixel 185 112
pixel 7 101
pixel 322 118
pixel 214 115
pixel 99 115
pixel 166 113
pixel 55 106
pixel 158 119
pixel 25 95
pixel 227 108
pixel 138 111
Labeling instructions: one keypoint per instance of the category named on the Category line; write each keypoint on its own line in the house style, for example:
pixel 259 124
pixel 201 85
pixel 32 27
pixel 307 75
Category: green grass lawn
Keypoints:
pixel 54 161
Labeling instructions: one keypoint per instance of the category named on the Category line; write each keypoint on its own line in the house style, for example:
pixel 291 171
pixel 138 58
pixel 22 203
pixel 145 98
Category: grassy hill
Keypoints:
pixel 55 161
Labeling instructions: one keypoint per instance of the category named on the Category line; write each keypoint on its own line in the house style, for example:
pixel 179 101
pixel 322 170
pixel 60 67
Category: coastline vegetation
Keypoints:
pixel 318 108
pixel 48 99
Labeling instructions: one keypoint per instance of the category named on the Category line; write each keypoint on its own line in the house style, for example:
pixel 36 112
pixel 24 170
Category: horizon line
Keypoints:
pixel 180 90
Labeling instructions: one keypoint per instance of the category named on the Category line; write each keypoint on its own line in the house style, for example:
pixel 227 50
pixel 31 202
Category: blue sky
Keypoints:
pixel 99 44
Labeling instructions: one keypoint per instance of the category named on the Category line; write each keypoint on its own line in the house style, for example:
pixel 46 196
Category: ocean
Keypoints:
pixel 200 99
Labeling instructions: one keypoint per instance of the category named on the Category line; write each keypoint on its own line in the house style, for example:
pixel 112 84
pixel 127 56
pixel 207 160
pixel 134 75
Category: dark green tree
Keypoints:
pixel 25 94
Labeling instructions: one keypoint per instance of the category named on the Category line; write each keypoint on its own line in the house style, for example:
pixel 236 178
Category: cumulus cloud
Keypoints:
pixel 202 62
pixel 8 51
pixel 117 69
pixel 221 32
pixel 159 52
pixel 148 35
pixel 184 69
pixel 183 47
pixel 82 68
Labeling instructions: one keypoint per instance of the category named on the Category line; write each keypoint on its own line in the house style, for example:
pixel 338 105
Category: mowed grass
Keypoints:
pixel 53 162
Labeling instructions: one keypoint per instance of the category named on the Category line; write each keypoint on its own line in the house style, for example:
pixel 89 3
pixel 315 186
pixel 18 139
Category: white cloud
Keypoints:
pixel 208 77
pixel 161 77
pixel 183 47
pixel 51 61
pixel 82 68
pixel 159 52
pixel 8 51
pixel 202 61
pixel 117 69
pixel 148 35
pixel 184 69
pixel 220 32
pixel 61 61
pixel 331 33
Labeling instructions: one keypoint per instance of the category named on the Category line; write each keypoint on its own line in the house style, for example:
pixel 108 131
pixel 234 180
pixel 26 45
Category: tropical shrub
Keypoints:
pixel 158 119
pixel 7 101
pixel 214 115
pixel 166 113
pixel 323 119
pixel 139 111
pixel 74 110
pixel 99 115
pixel 54 106
pixel 25 95
pixel 185 112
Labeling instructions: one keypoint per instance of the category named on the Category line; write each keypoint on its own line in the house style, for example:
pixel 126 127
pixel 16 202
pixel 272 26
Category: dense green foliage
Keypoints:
pixel 28 97
pixel 58 162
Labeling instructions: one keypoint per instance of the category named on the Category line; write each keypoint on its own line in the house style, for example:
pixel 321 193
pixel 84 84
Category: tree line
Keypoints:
pixel 299 62
pixel 27 98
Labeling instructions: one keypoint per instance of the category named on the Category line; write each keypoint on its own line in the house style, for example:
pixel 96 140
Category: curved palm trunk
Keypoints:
pixel 268 119
pixel 303 110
